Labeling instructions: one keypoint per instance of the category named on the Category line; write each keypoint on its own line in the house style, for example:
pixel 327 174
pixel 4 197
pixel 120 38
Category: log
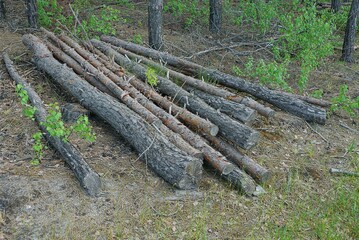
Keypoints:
pixel 155 8
pixel 123 96
pixel 256 171
pixel 214 158
pixel 172 164
pixel 235 110
pixel 87 177
pixel 230 129
pixel 192 120
pixel 289 104
pixel 201 85
pixel 2 10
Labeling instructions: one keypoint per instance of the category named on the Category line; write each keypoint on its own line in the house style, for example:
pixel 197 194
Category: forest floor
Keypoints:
pixel 302 200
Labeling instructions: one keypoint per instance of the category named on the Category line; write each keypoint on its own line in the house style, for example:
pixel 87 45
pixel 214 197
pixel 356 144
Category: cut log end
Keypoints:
pixel 241 181
pixel 214 130
pixel 92 184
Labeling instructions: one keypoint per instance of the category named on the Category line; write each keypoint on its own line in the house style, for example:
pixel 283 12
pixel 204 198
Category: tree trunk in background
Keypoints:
pixel 32 13
pixel 215 16
pixel 335 5
pixel 2 10
pixel 155 23
pixel 349 38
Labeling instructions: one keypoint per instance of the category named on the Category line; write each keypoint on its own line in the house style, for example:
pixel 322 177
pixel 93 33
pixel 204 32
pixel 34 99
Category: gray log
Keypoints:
pixel 155 23
pixel 176 167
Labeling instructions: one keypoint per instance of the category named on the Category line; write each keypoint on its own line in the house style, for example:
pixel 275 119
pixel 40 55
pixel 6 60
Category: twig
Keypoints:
pixel 80 24
pixel 349 128
pixel 341 172
pixel 317 132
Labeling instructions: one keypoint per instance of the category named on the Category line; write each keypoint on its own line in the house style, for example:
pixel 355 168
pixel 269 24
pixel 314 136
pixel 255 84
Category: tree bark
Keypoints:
pixel 287 103
pixel 335 6
pixel 235 110
pixel 232 130
pixel 215 16
pixel 155 8
pixel 172 164
pixel 2 10
pixel 122 94
pixel 32 14
pixel 256 171
pixel 350 31
pixel 201 85
pixel 87 177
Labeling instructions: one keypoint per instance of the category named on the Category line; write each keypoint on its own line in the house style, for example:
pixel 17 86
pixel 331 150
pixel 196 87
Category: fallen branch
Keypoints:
pixel 232 130
pixel 87 177
pixel 163 157
pixel 341 172
pixel 287 103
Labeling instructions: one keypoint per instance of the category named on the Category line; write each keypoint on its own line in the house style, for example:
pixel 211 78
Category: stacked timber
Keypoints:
pixel 177 124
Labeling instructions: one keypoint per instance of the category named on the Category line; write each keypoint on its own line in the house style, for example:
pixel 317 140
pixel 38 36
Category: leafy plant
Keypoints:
pixel 38 148
pixel 342 101
pixel 28 111
pixel 84 129
pixel 137 39
pixel 317 93
pixel 151 76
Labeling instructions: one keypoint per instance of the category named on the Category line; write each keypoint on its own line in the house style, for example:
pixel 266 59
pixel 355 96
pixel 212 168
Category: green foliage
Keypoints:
pixel 151 76
pixel 342 101
pixel 54 125
pixel 84 129
pixel 137 39
pixel 273 74
pixel 317 93
pixel 189 10
pixel 38 148
pixel 28 111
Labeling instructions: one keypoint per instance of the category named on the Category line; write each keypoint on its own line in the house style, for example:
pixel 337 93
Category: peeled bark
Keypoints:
pixel 350 31
pixel 155 8
pixel 175 166
pixel 232 130
pixel 123 95
pixel 215 16
pixel 235 110
pixel 32 15
pixel 289 104
pixel 87 177
pixel 201 85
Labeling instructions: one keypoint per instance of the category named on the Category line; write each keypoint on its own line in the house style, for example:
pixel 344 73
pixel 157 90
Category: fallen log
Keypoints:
pixel 235 110
pixel 87 177
pixel 123 96
pixel 287 103
pixel 111 70
pixel 238 178
pixel 172 164
pixel 256 171
pixel 201 85
pixel 232 130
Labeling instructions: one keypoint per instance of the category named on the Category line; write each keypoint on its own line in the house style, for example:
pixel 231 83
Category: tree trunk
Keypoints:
pixel 32 15
pixel 155 23
pixel 235 110
pixel 335 6
pixel 215 16
pixel 350 30
pixel 201 85
pixel 88 178
pixel 2 10
pixel 175 166
pixel 287 103
pixel 232 130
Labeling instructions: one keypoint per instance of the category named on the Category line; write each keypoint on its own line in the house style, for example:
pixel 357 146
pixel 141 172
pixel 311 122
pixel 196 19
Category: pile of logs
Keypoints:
pixel 180 122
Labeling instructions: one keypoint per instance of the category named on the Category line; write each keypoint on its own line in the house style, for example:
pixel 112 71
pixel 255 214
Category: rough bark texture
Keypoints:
pixel 164 158
pixel 350 31
pixel 201 85
pixel 290 104
pixel 32 13
pixel 2 10
pixel 235 110
pixel 155 23
pixel 88 178
pixel 215 16
pixel 232 130
pixel 256 171
pixel 335 6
